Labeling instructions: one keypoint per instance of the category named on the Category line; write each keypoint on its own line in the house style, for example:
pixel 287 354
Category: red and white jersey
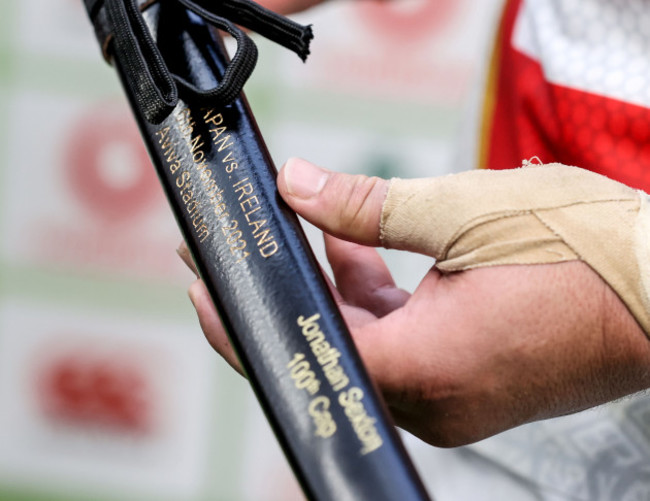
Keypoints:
pixel 569 81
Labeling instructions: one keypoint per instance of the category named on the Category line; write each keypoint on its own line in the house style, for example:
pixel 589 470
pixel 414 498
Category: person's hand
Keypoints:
pixel 471 353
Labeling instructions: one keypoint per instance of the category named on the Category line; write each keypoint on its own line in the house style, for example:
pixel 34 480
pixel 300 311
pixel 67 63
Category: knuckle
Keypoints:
pixel 358 207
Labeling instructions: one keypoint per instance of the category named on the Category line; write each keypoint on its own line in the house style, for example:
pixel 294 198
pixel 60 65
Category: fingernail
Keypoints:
pixel 304 180
pixel 185 255
pixel 193 292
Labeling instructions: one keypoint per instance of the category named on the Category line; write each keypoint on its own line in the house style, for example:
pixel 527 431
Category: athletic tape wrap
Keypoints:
pixel 531 215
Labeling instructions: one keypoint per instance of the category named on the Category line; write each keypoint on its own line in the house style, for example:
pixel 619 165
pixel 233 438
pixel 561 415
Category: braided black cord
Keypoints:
pixel 241 65
pixel 149 78
pixel 267 23
pixel 155 87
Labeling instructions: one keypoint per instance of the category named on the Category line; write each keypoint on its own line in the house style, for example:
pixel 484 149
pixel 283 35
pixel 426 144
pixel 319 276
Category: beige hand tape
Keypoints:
pixel 530 215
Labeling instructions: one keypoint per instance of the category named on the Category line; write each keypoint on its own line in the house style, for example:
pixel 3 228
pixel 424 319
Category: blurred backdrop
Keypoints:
pixel 108 390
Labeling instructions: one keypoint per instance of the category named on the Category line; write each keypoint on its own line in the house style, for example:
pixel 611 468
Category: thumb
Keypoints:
pixel 346 206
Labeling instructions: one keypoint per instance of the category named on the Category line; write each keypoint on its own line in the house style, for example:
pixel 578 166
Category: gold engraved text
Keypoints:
pixel 326 355
pixel 183 184
pixel 318 410
pixel 302 375
pixel 352 399
pixel 248 200
pixel 305 379
pixel 362 424
pixel 193 175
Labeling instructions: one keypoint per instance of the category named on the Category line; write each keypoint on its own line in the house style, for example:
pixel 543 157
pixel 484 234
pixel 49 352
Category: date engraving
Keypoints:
pixel 203 181
pixel 247 198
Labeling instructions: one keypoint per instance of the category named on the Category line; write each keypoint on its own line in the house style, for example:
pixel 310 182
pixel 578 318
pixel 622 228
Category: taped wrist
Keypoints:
pixel 531 215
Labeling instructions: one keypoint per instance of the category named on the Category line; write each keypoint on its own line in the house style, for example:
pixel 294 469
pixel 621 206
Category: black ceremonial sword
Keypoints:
pixel 293 344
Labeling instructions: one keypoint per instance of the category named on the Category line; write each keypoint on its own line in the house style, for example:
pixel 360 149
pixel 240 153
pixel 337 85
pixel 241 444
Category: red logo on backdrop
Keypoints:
pixel 89 389
pixel 107 166
pixel 405 20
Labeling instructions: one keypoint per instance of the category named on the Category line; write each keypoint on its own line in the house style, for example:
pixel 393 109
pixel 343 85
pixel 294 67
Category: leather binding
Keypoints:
pixel 256 262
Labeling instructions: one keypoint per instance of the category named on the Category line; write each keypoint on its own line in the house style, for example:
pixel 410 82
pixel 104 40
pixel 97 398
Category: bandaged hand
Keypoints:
pixel 536 307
